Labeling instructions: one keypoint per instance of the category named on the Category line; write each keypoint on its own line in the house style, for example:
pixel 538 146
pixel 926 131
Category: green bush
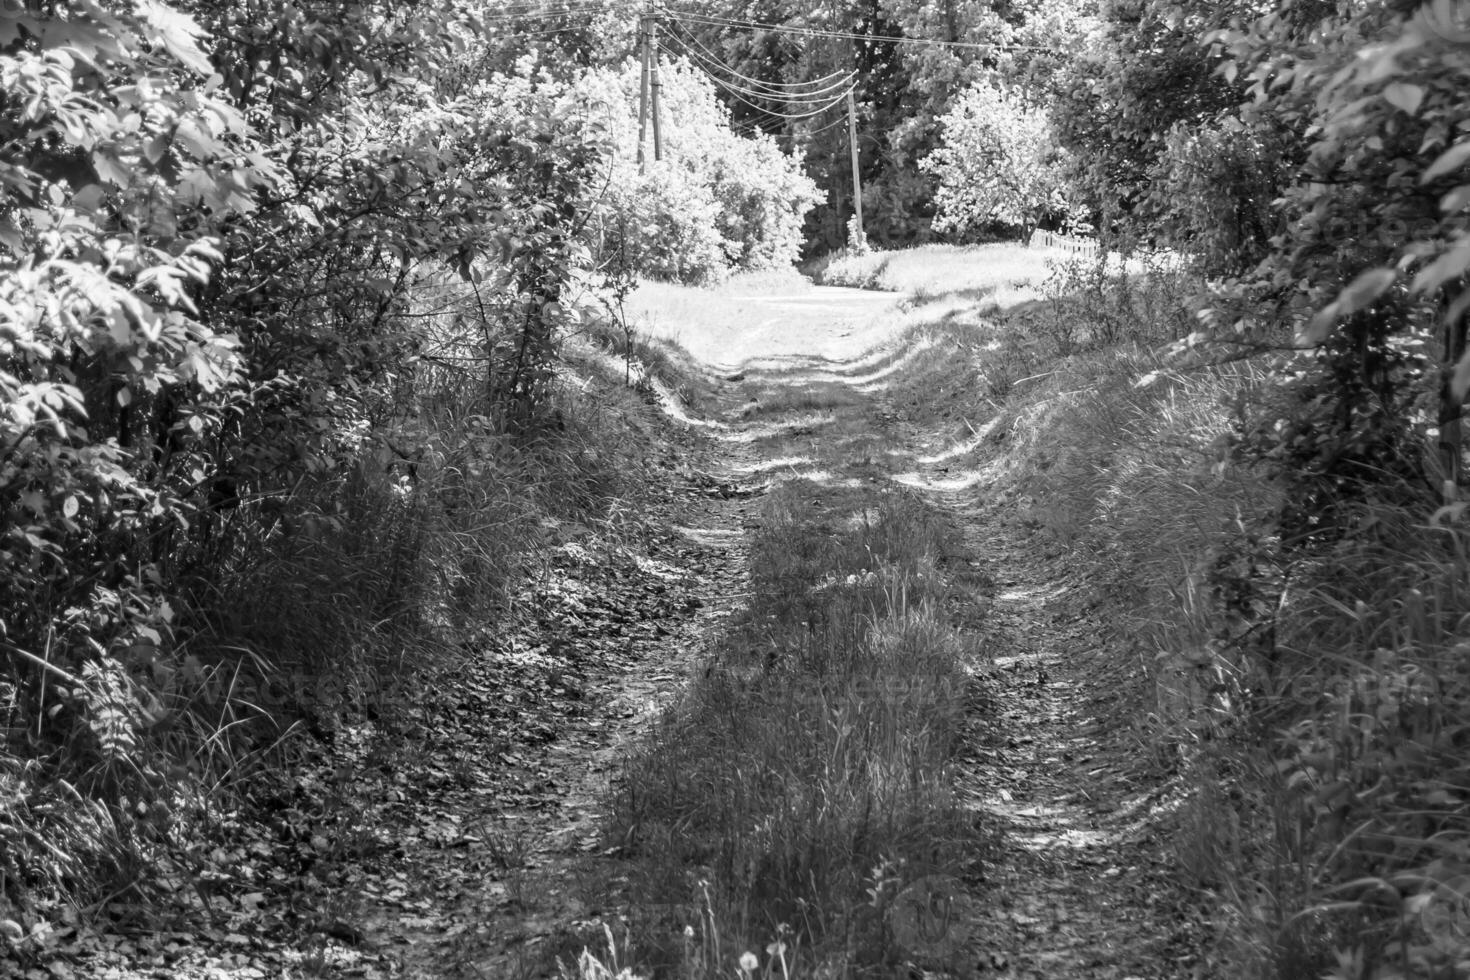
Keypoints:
pixel 716 203
pixel 214 384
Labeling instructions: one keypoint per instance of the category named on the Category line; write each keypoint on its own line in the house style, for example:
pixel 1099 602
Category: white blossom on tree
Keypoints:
pixel 995 163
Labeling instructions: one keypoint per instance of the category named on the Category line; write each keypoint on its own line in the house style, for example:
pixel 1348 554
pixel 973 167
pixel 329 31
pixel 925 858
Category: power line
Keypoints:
pixel 810 133
pixel 790 116
pixel 822 96
pixel 522 34
pixel 581 13
pixel 750 25
pixel 760 91
pixel 820 86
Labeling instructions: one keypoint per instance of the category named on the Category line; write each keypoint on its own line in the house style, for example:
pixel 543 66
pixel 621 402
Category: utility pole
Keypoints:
pixel 643 32
pixel 658 143
pixel 857 180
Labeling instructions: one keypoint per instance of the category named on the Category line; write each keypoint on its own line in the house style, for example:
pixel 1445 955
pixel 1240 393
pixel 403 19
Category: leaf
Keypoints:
pixel 1448 266
pixel 1460 380
pixel 10 237
pixel 1456 200
pixel 1361 292
pixel 156 148
pixel 1459 307
pixel 177 32
pixel 1404 96
pixel 1450 160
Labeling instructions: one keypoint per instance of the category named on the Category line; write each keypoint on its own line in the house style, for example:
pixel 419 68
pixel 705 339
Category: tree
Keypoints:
pixel 717 202
pixel 1373 262
pixel 996 163
pixel 901 90
pixel 1140 73
pixel 213 218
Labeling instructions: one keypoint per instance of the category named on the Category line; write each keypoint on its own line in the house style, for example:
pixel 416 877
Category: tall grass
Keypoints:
pixel 804 778
pixel 1362 702
pixel 1316 697
pixel 304 608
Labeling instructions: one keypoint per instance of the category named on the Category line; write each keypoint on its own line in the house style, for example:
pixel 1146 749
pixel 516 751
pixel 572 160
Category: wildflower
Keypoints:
pixel 748 962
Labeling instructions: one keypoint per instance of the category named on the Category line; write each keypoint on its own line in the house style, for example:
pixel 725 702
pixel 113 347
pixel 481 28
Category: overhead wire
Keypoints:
pixel 808 98
pixel 790 116
pixel 824 97
pixel 751 25
pixel 814 98
pixel 836 78
pixel 809 133
pixel 519 34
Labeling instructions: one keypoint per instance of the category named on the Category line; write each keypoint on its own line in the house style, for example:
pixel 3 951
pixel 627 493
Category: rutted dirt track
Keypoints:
pixel 475 850
pixel 1078 882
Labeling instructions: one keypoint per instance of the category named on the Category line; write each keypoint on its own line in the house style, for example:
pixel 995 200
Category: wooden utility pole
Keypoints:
pixel 857 180
pixel 658 143
pixel 643 32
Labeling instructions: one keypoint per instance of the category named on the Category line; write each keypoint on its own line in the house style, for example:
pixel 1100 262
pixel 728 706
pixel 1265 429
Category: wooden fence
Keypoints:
pixel 1077 246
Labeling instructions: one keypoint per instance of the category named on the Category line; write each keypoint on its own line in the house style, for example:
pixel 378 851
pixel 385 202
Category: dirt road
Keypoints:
pixel 477 848
pixel 1079 882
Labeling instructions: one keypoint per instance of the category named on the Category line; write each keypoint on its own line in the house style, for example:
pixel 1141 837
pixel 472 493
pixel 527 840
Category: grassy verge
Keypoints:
pixel 1310 694
pixel 308 609
pixel 803 781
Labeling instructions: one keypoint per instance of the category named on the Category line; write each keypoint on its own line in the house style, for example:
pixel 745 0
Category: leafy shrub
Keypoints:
pixel 212 391
pixel 996 163
pixel 717 202
pixel 1210 192
pixel 667 223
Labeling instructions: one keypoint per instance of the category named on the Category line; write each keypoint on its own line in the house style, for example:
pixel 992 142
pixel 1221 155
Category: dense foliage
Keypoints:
pixel 996 164
pixel 283 289
pixel 1312 159
pixel 903 88
pixel 213 223
pixel 284 286
pixel 717 202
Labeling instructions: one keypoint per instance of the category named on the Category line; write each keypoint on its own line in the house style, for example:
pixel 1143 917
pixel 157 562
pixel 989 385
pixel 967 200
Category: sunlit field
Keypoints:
pixel 1001 269
pixel 1002 274
pixel 747 318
